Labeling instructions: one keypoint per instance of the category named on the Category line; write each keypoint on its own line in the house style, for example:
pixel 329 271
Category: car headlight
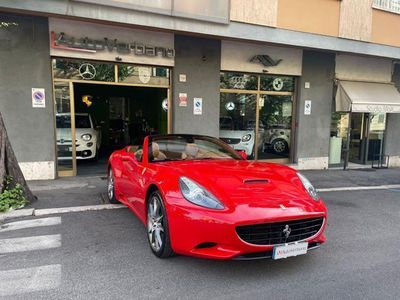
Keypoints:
pixel 308 186
pixel 86 137
pixel 246 138
pixel 198 195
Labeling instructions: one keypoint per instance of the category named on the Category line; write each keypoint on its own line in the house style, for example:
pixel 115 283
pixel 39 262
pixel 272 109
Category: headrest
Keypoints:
pixel 155 148
pixel 191 149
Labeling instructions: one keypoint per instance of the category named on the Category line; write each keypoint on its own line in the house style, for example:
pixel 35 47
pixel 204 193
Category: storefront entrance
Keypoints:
pixel 366 137
pixel 356 138
pixel 113 106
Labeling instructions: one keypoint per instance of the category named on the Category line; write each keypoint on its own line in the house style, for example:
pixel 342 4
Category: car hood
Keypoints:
pixel 249 184
pixel 234 133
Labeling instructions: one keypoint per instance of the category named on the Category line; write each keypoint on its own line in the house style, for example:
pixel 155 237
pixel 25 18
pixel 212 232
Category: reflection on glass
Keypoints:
pixel 276 83
pixel 83 70
pixel 238 81
pixel 63 126
pixel 143 75
pixel 275 126
pixel 238 121
pixel 377 126
pixel 338 137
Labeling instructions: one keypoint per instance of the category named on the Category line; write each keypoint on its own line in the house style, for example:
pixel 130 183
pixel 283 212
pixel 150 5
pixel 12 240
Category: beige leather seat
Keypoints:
pixel 156 153
pixel 191 151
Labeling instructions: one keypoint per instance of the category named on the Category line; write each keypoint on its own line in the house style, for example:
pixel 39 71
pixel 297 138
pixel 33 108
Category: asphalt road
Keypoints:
pixel 105 255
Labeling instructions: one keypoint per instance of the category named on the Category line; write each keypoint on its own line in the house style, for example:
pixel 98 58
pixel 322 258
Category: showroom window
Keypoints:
pixel 256 114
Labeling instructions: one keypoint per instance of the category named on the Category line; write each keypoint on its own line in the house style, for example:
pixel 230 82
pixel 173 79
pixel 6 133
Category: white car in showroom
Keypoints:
pixel 241 139
pixel 87 136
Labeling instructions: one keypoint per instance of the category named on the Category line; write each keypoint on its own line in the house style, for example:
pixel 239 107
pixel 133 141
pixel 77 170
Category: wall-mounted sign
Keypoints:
pixel 307 107
pixel 265 60
pixel 88 100
pixel 87 71
pixel 85 44
pixel 198 106
pixel 38 98
pixel 230 106
pixel 164 104
pixel 144 74
pixel 183 99
pixel 182 77
pixel 277 84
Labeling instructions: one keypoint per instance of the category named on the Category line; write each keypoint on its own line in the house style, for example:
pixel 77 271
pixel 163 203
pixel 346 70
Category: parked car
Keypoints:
pixel 277 138
pixel 241 137
pixel 87 136
pixel 199 197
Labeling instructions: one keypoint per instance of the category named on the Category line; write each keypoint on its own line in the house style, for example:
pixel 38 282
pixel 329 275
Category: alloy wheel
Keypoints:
pixel 155 224
pixel 110 185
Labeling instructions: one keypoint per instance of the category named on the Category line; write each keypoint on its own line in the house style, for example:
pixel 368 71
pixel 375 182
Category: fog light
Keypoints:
pixel 89 144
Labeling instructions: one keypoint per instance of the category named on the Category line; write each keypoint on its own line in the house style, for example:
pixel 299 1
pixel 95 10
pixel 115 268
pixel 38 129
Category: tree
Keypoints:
pixel 9 168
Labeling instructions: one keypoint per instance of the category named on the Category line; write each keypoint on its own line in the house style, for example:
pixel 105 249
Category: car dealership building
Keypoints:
pixel 314 83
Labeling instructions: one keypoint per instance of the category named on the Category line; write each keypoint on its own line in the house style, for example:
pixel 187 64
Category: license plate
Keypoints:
pixel 289 250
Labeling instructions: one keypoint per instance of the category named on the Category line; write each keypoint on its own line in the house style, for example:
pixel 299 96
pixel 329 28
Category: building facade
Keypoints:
pixel 312 83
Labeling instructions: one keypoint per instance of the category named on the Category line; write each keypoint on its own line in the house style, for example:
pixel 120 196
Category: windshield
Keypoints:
pixel 81 121
pixel 188 147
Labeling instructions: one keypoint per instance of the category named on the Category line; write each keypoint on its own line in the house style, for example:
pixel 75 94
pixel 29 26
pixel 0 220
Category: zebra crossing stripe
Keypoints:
pixel 31 243
pixel 30 224
pixel 20 281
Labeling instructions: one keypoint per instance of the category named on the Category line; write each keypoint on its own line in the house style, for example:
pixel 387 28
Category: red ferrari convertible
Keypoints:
pixel 199 197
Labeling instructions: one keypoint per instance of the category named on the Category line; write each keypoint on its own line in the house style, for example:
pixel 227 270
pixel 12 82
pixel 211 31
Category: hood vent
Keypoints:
pixel 255 181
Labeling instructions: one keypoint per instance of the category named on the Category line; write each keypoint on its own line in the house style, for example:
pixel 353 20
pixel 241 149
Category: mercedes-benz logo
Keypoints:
pixel 230 106
pixel 87 71
pixel 286 231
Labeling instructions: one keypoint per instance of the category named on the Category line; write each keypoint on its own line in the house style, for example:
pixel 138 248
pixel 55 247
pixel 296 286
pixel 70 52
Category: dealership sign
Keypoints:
pixel 63 41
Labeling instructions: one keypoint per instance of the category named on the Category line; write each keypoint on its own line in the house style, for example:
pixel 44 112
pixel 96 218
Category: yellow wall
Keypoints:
pixel 356 20
pixel 314 16
pixel 385 28
pixel 260 12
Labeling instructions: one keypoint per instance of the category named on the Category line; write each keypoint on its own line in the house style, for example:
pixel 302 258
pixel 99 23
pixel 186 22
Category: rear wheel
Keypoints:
pixel 157 226
pixel 111 188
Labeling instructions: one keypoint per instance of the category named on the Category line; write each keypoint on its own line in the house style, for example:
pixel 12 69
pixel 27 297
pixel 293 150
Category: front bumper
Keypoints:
pixel 213 234
pixel 83 151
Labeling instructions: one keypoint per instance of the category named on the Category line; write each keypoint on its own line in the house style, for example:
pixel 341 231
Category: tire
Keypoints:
pixel 280 146
pixel 111 188
pixel 157 226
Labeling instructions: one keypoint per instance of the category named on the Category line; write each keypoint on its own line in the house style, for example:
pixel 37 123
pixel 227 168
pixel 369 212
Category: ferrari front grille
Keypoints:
pixel 280 232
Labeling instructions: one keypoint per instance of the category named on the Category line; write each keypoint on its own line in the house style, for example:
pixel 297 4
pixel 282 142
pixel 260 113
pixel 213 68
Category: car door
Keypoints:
pixel 132 178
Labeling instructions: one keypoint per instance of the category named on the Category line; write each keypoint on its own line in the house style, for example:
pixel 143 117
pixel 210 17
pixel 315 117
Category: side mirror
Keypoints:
pixel 242 153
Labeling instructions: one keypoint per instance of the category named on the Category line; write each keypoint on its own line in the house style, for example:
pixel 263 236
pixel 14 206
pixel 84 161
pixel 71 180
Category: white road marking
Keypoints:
pixel 361 188
pixel 30 224
pixel 14 282
pixel 63 210
pixel 31 243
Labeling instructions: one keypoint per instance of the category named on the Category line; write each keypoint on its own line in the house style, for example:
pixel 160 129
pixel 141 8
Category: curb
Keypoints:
pixel 52 211
pixel 17 213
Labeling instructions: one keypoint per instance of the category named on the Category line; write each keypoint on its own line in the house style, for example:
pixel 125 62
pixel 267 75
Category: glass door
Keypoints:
pixel 377 126
pixel 65 129
pixel 358 138
pixel 275 126
pixel 366 137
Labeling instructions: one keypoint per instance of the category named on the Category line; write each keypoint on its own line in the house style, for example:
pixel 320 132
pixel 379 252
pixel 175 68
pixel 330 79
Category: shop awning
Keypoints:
pixel 367 97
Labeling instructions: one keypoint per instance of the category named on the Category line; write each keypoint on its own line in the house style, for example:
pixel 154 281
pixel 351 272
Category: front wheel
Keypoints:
pixel 111 188
pixel 157 226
